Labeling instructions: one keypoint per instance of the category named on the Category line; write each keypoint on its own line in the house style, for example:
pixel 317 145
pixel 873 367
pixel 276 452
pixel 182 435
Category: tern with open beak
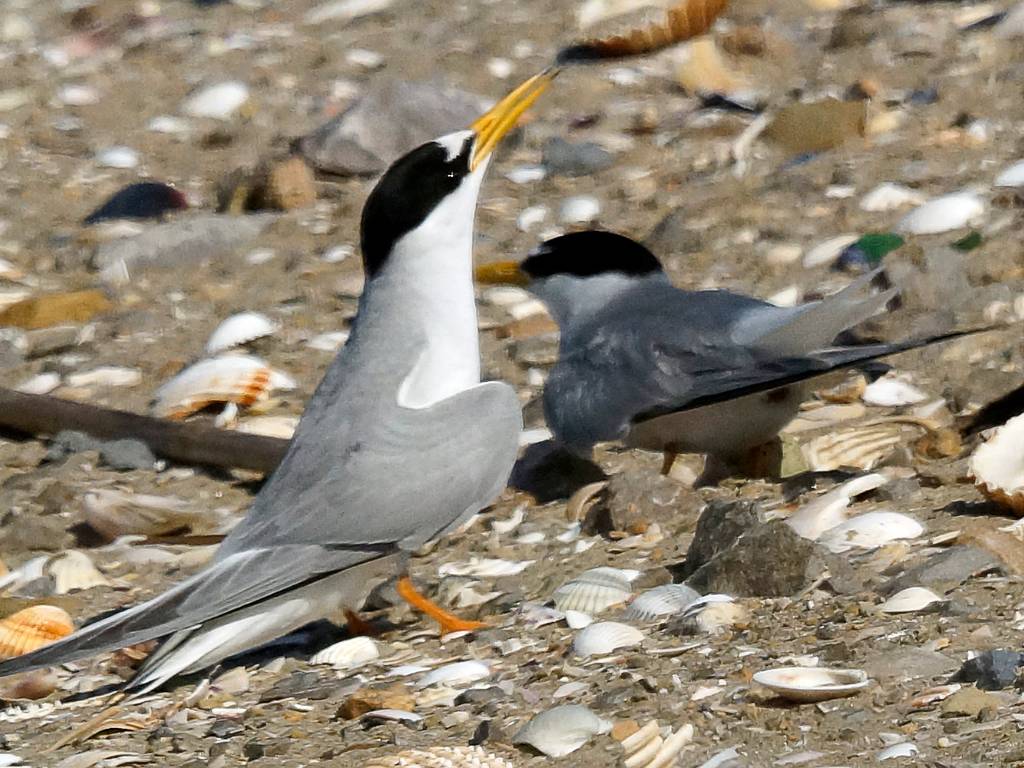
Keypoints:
pixel 665 369
pixel 400 444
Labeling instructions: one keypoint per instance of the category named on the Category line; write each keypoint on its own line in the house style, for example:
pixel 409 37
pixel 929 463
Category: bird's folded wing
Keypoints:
pixel 390 475
pixel 228 585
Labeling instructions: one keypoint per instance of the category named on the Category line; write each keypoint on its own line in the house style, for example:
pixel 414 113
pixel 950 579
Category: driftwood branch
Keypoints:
pixel 183 443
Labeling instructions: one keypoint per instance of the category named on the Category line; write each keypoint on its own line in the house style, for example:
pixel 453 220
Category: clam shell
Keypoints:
pixel 829 509
pixel 870 531
pixel 73 571
pixel 997 466
pixel 604 637
pixel 240 379
pixel 459 673
pixel 114 513
pixel 441 757
pixel 943 214
pixel 561 730
pixel 348 653
pixel 32 628
pixel 595 590
pixel 808 684
pixel 910 600
pixel 240 329
pixel 660 601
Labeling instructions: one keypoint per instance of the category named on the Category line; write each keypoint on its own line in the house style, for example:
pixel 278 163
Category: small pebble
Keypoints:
pixel 117 157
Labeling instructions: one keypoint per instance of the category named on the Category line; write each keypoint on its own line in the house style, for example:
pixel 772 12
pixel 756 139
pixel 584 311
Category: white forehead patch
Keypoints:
pixel 453 143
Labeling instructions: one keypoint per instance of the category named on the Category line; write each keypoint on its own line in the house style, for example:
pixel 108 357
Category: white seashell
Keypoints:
pixel 348 653
pixel 862 446
pixel 943 214
pixel 997 466
pixel 240 379
pixel 721 758
pixel 531 217
pixel 78 95
pixel 331 341
pixel 665 600
pixel 500 68
pixel 106 376
pixel 117 157
pixel 536 615
pixel 650 747
pixel 561 730
pixel 219 101
pixel 578 619
pixel 787 297
pixel 459 673
pixel 580 209
pixel 903 749
pixel 271 426
pixel 829 250
pixel 168 124
pixel 712 614
pixel 525 174
pixel 870 531
pixel 829 510
pixel 40 385
pixel 910 600
pixel 595 590
pixel 27 572
pixel 240 329
pixel 361 57
pixel 440 757
pixel 1012 176
pixel 345 10
pixel 527 309
pixel 509 524
pixel 604 637
pixel 890 391
pixel 888 197
pixel 337 253
pixel 808 684
pixel 485 567
pixel 505 296
pixel 74 571
pixel 115 513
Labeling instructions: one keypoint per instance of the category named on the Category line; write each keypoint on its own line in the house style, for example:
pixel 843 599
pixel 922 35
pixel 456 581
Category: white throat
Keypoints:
pixel 434 263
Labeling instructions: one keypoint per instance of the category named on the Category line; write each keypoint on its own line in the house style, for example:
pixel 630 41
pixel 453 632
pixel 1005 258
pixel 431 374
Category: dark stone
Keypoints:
pixel 12 347
pixel 944 571
pixel 481 695
pixel 223 728
pixel 566 158
pixel 907 664
pixel 127 454
pixel 68 442
pixel 720 524
pixel 991 670
pixel 21 532
pixel 254 750
pixel 305 685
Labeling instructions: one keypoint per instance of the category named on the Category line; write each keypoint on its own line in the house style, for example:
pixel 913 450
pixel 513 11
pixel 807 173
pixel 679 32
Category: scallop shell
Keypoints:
pixel 115 513
pixel 240 329
pixel 809 684
pixel 997 466
pixel 348 653
pixel 862 446
pixel 870 531
pixel 604 637
pixel 32 628
pixel 910 600
pixel 663 23
pixel 595 590
pixel 943 214
pixel 661 601
pixel 459 673
pixel 561 730
pixel 74 571
pixel 651 747
pixel 238 379
pixel 441 757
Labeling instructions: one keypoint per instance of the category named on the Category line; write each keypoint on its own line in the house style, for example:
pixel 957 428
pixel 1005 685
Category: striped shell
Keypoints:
pixel 650 747
pixel 562 730
pixel 660 601
pixel 604 637
pixel 997 466
pixel 240 329
pixel 348 653
pixel 863 446
pixel 32 628
pixel 595 590
pixel 441 757
pixel 240 379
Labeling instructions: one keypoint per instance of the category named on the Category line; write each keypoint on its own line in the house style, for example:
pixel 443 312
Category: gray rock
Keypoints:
pixel 26 532
pixel 944 571
pixel 565 158
pixel 389 119
pixel 127 454
pixel 68 442
pixel 13 347
pixel 631 498
pixel 721 523
pixel 186 241
pixel 51 341
pixel 907 664
pixel 991 670
pixel 671 236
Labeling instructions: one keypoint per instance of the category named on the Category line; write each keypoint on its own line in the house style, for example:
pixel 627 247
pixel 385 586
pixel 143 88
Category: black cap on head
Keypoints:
pixel 407 193
pixel 590 253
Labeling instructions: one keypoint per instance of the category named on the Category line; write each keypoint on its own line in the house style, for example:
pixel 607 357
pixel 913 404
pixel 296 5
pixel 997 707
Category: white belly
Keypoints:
pixel 723 429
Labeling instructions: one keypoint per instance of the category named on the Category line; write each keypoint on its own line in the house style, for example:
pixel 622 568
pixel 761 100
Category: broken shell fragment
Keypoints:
pixel 870 531
pixel 240 379
pixel 997 466
pixel 561 730
pixel 441 757
pixel 595 590
pixel 910 600
pixel 113 513
pixel 240 329
pixel 348 653
pixel 604 637
pixel 74 571
pixel 32 628
pixel 810 684
pixel 459 673
pixel 943 214
pixel 661 601
pixel 650 747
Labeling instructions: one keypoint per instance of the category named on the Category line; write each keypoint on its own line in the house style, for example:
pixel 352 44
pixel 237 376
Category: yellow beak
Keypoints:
pixel 502 117
pixel 501 273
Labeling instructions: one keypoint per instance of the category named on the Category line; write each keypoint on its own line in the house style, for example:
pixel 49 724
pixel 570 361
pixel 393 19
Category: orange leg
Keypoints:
pixel 359 626
pixel 448 622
